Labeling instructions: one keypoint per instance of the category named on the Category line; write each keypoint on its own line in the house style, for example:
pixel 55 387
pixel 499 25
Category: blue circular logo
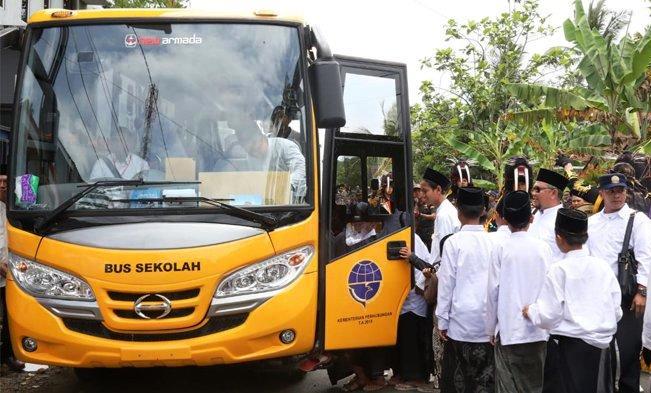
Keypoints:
pixel 364 281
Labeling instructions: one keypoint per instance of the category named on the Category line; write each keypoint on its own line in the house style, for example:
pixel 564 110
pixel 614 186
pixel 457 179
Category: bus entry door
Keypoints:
pixel 367 198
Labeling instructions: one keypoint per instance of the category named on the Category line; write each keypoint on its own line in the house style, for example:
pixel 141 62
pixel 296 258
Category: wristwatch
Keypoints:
pixel 641 290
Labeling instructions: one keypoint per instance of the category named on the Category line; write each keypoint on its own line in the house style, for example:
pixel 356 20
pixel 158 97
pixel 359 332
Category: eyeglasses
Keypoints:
pixel 539 189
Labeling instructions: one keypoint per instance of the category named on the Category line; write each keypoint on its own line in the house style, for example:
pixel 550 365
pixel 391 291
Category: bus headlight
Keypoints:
pixel 268 275
pixel 43 281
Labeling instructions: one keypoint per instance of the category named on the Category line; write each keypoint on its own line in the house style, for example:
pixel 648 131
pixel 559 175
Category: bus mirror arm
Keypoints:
pixel 318 42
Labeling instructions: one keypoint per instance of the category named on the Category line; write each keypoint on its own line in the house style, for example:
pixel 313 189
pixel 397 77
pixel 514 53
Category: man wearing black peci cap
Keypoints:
pixel 435 187
pixel 516 274
pixel 461 300
pixel 580 328
pixel 606 231
pixel 546 195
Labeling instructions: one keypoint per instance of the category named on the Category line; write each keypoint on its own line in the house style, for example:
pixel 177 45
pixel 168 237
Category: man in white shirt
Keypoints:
pixel 580 305
pixel 273 155
pixel 646 333
pixel 410 369
pixel 516 274
pixel 606 231
pixel 435 187
pixel 122 162
pixel 546 195
pixel 461 300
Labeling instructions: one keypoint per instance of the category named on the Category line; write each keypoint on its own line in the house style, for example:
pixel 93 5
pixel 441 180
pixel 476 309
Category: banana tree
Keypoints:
pixel 613 73
pixel 491 148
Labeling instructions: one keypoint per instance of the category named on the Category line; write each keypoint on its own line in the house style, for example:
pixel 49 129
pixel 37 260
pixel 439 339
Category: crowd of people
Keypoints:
pixel 540 287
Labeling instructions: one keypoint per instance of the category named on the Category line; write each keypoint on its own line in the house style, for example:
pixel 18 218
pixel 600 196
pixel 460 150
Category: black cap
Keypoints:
pixel 517 207
pixel 436 177
pixel 571 221
pixel 612 180
pixel 552 178
pixel 470 196
pixel 588 194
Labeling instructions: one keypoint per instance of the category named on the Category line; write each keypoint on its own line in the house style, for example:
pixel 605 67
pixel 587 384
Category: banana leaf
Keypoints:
pixel 531 93
pixel 471 153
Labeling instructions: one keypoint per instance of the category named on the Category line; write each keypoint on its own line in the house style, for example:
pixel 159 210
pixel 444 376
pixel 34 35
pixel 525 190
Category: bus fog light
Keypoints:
pixel 287 336
pixel 29 344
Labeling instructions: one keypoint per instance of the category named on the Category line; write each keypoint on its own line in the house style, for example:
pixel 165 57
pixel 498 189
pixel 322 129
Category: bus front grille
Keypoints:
pixel 211 326
pixel 183 303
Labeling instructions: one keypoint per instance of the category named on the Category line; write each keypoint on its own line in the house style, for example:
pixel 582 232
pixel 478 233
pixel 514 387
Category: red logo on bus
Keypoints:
pixel 130 40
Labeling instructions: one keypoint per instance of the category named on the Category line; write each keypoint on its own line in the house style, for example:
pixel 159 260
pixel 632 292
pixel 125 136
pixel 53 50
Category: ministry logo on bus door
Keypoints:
pixel 364 281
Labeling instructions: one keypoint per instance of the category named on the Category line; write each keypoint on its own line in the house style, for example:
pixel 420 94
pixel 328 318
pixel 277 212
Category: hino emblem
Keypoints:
pixel 152 303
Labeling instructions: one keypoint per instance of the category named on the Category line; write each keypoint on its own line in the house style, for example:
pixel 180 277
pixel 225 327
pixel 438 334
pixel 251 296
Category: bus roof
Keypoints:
pixel 164 13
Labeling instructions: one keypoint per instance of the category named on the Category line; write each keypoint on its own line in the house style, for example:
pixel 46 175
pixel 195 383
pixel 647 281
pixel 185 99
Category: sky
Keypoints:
pixel 407 31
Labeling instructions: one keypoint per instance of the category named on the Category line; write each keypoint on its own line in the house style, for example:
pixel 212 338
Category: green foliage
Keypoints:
pixel 615 88
pixel 464 120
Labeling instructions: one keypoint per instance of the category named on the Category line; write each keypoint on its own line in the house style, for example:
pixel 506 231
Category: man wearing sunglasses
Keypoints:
pixel 546 197
pixel 606 231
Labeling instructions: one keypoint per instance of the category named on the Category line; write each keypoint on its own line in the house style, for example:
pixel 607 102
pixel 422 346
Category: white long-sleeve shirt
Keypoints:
pixel 446 223
pixel 606 235
pixel 646 330
pixel 542 227
pixel 580 298
pixel 517 272
pixel 284 156
pixel 463 276
pixel 500 235
pixel 416 303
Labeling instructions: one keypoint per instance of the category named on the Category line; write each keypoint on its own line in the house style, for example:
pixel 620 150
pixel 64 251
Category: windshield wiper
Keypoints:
pixel 267 223
pixel 43 222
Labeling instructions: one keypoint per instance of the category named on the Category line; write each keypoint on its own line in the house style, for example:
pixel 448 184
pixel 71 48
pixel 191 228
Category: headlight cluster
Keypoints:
pixel 268 275
pixel 43 281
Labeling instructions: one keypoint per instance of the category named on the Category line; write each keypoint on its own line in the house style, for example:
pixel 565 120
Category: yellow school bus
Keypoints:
pixel 187 188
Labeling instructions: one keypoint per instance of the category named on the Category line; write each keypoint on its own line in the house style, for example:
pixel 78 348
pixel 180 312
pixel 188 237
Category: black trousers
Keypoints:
pixel 571 366
pixel 629 343
pixel 410 356
pixel 6 350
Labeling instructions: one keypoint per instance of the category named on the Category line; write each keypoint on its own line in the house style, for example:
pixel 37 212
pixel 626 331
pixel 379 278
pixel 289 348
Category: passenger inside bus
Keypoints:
pixel 121 162
pixel 271 154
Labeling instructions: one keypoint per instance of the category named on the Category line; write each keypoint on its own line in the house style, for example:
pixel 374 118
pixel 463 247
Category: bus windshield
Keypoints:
pixel 210 110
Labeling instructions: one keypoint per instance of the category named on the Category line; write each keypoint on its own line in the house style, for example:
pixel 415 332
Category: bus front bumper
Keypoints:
pixel 256 338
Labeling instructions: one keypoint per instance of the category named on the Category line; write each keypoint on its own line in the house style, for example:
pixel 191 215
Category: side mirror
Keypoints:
pixel 327 93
